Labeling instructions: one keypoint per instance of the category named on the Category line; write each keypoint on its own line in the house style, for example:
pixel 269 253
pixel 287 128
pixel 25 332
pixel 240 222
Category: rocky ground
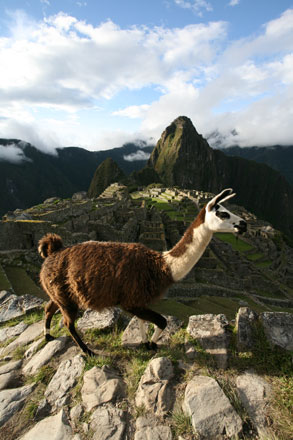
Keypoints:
pixel 210 380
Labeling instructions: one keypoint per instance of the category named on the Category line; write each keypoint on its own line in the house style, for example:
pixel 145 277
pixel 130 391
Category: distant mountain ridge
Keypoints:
pixel 183 158
pixel 278 157
pixel 42 175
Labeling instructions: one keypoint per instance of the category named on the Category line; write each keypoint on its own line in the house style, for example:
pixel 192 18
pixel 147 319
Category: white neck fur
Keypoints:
pixel 180 265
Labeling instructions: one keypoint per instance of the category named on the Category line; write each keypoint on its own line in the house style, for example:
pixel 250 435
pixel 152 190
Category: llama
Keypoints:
pixel 98 275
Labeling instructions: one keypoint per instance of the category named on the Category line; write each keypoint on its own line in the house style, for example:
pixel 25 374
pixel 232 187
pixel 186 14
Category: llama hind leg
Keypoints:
pixel 155 318
pixel 69 313
pixel 50 309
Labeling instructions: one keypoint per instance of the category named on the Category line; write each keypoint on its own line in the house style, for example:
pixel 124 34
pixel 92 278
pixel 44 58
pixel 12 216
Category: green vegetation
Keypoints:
pixel 4 282
pixel 21 282
pixel 29 318
pixel 236 242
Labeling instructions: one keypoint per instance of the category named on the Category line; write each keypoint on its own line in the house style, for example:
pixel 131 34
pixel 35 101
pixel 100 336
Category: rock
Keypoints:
pixel 13 306
pixel 245 325
pixel 29 335
pixel 211 332
pixel 9 332
pixel 154 391
pixel 78 196
pixel 101 385
pixel 108 423
pixel 146 429
pixel 51 200
pixel 101 320
pixel 75 414
pixel 32 349
pixel 254 393
pixel 212 415
pixel 57 392
pixel 43 356
pixel 51 428
pixel 11 366
pixel 9 380
pixel 173 325
pixel 131 336
pixel 278 327
pixel 3 295
pixel 12 400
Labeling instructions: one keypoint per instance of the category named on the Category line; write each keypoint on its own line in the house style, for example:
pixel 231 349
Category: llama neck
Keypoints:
pixel 189 249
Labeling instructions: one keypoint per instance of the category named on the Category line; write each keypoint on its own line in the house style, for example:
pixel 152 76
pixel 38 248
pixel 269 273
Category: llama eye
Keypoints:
pixel 222 215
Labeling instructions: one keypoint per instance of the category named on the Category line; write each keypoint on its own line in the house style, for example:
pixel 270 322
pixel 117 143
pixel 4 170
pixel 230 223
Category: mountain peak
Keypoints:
pixel 107 172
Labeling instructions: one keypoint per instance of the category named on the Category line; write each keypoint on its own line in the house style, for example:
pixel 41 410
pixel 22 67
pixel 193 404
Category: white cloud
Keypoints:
pixel 12 153
pixel 138 155
pixel 64 64
pixel 234 2
pixel 196 5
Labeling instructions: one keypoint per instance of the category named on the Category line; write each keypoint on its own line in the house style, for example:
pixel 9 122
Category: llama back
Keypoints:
pixel 103 274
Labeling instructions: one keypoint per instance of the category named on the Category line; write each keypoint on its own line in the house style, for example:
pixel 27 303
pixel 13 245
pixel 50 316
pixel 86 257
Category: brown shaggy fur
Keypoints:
pixel 96 275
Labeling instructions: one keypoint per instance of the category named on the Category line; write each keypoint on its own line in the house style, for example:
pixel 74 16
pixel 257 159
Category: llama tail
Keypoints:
pixel 49 243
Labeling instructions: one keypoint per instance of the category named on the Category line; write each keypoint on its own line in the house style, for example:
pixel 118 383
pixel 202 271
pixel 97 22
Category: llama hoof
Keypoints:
pixel 49 338
pixel 150 346
pixel 89 353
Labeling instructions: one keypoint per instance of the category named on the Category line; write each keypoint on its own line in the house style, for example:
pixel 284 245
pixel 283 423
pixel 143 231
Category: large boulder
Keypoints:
pixel 278 327
pixel 245 326
pixel 100 386
pixel 155 392
pixel 12 400
pixel 212 415
pixel 56 427
pixel 57 392
pixel 212 334
pixel 254 393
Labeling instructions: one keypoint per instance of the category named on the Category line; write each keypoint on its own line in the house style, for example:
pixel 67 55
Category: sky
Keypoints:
pixel 100 73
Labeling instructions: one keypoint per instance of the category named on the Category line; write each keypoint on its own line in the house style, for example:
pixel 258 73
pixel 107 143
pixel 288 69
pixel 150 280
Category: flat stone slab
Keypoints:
pixel 211 332
pixel 57 392
pixel 100 320
pixel 43 356
pixel 13 306
pixel 278 327
pixel 51 428
pixel 10 366
pixel 131 336
pixel 173 325
pixel 108 422
pixel 30 334
pixel 255 393
pixel 212 415
pixel 12 400
pixel 7 333
pixel 146 429
pixel 246 320
pixel 154 391
pixel 101 385
pixel 9 380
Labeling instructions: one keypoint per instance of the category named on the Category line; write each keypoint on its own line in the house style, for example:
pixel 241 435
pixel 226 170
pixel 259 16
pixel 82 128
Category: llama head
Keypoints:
pixel 219 219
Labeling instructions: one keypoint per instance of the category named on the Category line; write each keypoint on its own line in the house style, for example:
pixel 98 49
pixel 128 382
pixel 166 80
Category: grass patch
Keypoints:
pixel 254 257
pixel 29 318
pixel 44 375
pixel 4 282
pixel 174 308
pixel 21 282
pixel 181 424
pixel 236 242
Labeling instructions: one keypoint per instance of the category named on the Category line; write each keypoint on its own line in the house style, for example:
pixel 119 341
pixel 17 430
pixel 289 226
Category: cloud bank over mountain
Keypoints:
pixel 62 79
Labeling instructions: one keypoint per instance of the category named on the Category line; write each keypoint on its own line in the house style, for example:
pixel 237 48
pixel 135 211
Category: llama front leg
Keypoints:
pixel 155 318
pixel 143 331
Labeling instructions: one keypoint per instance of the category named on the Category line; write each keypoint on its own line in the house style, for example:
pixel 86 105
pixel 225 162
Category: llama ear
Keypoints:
pixel 226 194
